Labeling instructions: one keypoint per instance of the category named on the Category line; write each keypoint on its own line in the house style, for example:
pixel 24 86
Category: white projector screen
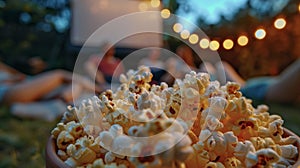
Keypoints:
pixel 89 15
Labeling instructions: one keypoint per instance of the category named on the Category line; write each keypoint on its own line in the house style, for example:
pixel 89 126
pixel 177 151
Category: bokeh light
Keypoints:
pixel 279 23
pixel 260 34
pixel 185 34
pixel 228 44
pixel 204 43
pixel 193 39
pixel 155 3
pixel 165 13
pixel 143 6
pixel 214 45
pixel 242 40
pixel 177 27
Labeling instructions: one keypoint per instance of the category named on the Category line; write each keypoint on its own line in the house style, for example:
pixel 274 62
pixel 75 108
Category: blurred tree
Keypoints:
pixel 33 28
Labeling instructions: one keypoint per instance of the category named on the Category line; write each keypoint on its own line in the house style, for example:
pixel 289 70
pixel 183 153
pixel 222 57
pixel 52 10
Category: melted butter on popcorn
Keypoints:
pixel 210 126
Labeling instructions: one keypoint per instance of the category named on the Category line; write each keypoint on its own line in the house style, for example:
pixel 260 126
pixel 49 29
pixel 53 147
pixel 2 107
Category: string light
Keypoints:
pixel 204 43
pixel 242 40
pixel 165 13
pixel 260 34
pixel 214 45
pixel 177 27
pixel 228 44
pixel 155 3
pixel 185 34
pixel 279 23
pixel 193 39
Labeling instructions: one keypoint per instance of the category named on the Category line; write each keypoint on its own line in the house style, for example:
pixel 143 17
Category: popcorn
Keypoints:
pixel 232 162
pixel 263 157
pixel 194 123
pixel 64 139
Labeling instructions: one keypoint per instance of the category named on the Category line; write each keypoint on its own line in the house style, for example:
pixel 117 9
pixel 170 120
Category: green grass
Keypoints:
pixel 22 141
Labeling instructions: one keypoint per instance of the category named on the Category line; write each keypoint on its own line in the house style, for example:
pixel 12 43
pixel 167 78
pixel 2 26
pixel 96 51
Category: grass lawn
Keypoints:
pixel 22 141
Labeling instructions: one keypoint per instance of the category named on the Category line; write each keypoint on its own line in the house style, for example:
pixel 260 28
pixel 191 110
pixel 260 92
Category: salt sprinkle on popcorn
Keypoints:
pixel 196 123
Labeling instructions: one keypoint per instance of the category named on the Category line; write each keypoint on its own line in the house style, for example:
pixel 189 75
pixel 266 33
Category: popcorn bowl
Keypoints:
pixel 196 123
pixel 53 161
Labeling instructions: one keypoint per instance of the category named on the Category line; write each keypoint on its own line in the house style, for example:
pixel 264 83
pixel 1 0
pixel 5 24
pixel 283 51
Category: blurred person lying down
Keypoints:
pixel 283 88
pixel 43 96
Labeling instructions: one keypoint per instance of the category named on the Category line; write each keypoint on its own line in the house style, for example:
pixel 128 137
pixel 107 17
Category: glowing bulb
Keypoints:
pixel 193 39
pixel 185 34
pixel 260 34
pixel 143 6
pixel 214 45
pixel 165 13
pixel 228 44
pixel 242 40
pixel 204 43
pixel 299 7
pixel 177 27
pixel 279 23
pixel 155 3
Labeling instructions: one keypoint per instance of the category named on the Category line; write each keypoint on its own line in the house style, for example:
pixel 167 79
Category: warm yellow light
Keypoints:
pixel 155 3
pixel 279 23
pixel 185 34
pixel 260 34
pixel 214 45
pixel 177 27
pixel 299 7
pixel 228 44
pixel 165 13
pixel 193 39
pixel 204 43
pixel 242 40
pixel 143 6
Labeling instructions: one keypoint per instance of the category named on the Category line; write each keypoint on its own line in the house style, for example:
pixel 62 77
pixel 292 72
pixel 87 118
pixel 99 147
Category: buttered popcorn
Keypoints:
pixel 194 123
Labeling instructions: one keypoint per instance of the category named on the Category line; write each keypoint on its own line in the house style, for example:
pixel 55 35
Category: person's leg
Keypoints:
pixel 286 88
pixel 34 89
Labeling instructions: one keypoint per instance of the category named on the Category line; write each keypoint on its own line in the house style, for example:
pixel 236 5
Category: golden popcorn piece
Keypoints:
pixel 64 139
pixel 62 155
pixel 232 162
pixel 263 157
pixel 84 151
pixel 69 115
pixel 75 129
pixel 242 149
pixel 214 165
pixel 57 130
pixel 197 158
pixel 232 89
pixel 288 151
pixel 220 146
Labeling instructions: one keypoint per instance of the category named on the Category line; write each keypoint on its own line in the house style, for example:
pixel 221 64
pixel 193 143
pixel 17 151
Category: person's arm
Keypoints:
pixel 9 69
pixel 285 89
pixel 16 76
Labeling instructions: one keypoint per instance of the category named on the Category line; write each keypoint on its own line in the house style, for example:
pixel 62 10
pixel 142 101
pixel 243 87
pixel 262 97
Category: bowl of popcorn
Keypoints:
pixel 194 123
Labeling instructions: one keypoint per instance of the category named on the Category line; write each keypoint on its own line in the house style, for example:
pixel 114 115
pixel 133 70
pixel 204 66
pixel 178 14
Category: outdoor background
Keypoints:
pixel 41 29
